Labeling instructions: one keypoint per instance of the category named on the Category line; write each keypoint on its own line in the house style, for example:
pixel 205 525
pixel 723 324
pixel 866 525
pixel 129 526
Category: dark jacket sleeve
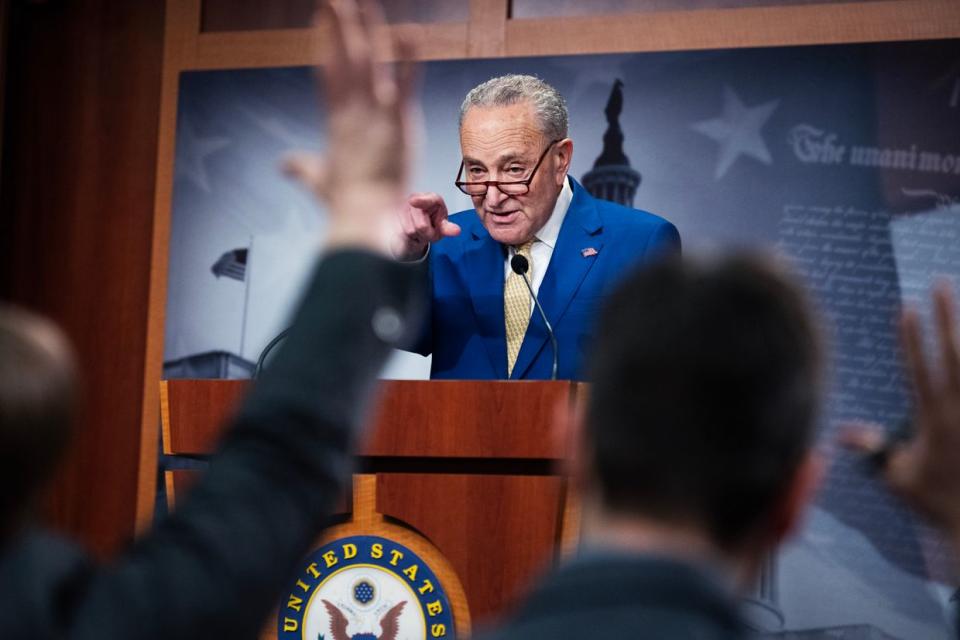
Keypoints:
pixel 421 337
pixel 216 567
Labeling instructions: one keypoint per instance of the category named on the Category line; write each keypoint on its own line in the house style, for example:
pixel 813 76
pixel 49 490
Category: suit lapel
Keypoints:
pixel 568 267
pixel 484 262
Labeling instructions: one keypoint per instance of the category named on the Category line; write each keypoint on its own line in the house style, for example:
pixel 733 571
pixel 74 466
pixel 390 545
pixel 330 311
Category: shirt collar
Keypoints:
pixel 550 231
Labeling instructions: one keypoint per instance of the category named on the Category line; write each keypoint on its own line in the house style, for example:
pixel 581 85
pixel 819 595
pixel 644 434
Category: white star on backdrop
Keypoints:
pixel 738 131
pixel 192 151
pixel 279 129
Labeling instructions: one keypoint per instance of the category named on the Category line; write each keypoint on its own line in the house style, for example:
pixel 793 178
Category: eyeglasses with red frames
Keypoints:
pixel 509 188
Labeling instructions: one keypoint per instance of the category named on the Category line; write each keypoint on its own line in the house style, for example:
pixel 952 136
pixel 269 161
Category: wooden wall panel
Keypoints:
pixel 852 22
pixel 80 141
pixel 248 15
pixel 487 28
pixel 257 15
pixel 577 8
pixel 301 47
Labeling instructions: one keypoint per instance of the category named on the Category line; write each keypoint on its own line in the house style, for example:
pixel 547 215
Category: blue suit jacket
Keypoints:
pixel 466 332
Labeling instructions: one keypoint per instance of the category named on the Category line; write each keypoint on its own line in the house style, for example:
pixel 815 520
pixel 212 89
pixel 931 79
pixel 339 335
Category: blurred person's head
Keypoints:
pixel 701 416
pixel 37 391
pixel 513 128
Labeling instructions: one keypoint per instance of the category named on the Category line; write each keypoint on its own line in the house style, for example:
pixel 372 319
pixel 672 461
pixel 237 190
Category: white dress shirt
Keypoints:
pixel 545 240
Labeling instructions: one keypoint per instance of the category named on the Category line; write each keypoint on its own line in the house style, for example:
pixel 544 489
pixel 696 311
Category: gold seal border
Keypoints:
pixel 366 521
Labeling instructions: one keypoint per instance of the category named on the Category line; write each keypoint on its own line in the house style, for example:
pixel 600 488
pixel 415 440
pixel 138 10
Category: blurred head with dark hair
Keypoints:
pixel 37 390
pixel 699 428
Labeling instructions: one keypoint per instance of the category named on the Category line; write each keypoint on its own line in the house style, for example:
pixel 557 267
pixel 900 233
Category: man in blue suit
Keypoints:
pixel 516 155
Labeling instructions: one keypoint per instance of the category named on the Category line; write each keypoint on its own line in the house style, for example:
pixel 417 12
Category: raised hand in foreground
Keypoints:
pixel 925 470
pixel 364 175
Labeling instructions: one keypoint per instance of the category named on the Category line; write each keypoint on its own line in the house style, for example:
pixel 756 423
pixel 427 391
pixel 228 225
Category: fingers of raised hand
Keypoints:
pixel 946 334
pixel 915 359
pixel 349 66
pixel 384 82
pixel 358 26
pixel 862 437
pixel 867 439
pixel 901 471
pixel 894 459
pixel 406 69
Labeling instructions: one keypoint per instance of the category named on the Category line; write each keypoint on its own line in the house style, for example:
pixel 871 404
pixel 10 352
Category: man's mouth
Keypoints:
pixel 503 216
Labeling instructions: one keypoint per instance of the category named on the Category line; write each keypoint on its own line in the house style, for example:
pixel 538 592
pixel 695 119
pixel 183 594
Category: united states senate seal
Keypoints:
pixel 365 588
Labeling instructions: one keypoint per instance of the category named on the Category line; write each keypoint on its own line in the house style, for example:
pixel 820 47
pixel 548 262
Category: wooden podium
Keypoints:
pixel 469 466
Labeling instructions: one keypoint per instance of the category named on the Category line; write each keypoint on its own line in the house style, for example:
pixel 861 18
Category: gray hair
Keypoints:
pixel 548 105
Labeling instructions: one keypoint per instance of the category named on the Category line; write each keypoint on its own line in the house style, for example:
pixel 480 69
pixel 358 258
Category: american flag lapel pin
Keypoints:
pixel 589 252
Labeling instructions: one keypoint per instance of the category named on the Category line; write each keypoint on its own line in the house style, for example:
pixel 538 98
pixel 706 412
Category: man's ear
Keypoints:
pixel 564 156
pixel 789 513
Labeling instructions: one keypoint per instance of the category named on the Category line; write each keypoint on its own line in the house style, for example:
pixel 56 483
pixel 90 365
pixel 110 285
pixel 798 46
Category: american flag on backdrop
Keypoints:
pixel 232 264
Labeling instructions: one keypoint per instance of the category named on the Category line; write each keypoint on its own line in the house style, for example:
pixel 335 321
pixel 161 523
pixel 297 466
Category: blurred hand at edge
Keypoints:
pixel 364 175
pixel 925 470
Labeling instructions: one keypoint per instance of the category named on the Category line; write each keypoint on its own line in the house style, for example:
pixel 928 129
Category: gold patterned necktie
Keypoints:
pixel 516 307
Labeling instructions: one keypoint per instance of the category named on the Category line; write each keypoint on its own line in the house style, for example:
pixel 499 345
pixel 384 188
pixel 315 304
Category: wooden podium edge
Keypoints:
pixel 171 490
pixel 570 523
pixel 569 536
pixel 165 432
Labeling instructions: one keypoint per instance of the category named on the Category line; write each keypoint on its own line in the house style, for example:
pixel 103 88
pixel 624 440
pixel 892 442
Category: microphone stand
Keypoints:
pixel 520 266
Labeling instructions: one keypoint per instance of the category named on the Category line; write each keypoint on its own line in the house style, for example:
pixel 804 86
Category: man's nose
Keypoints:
pixel 494 197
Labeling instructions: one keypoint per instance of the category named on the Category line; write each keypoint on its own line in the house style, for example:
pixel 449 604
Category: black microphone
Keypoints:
pixel 520 266
pixel 266 351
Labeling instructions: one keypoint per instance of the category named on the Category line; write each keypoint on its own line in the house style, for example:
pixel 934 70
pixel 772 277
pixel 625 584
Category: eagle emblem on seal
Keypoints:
pixel 389 624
